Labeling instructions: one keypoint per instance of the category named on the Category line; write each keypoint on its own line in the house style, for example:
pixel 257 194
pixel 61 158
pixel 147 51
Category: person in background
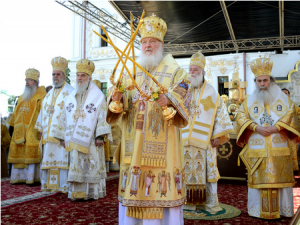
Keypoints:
pixel 48 88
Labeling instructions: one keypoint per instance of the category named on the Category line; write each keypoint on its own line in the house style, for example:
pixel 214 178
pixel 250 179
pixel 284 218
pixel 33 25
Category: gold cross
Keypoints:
pixel 51 155
pixel 65 94
pixel 223 149
pixel 53 179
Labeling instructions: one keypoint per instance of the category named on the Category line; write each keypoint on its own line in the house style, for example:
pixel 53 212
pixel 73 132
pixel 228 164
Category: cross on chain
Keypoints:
pixel 223 149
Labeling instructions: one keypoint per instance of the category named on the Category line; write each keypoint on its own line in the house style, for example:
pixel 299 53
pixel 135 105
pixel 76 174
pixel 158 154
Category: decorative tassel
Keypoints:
pixel 141 213
pixel 144 214
pixel 197 196
pixel 238 160
pixel 151 162
pixel 127 213
pixel 153 214
pixel 130 213
pixel 200 197
pixel 161 214
pixel 204 195
pixel 114 160
pixel 143 161
pixel 157 214
pixel 149 214
pixel 160 162
pixel 164 163
pixel 154 162
pixel 133 212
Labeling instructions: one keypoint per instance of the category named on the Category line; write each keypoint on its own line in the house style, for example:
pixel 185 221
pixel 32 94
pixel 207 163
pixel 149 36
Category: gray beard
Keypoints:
pixel 197 81
pixel 266 95
pixel 81 89
pixel 29 91
pixel 59 84
pixel 153 60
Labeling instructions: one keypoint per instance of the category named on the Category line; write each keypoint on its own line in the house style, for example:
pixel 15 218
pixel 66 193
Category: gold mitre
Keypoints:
pixel 85 66
pixel 98 83
pixel 59 63
pixel 198 59
pixel 32 74
pixel 153 27
pixel 261 66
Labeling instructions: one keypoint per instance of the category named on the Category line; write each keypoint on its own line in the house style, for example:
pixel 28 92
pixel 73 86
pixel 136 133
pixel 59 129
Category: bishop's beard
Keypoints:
pixel 81 86
pixel 198 80
pixel 266 95
pixel 29 91
pixel 152 60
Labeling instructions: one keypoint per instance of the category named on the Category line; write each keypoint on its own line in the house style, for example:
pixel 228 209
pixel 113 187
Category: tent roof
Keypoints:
pixel 248 19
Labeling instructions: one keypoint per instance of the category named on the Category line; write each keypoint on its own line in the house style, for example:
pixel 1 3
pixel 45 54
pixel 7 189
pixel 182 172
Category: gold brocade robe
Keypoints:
pixel 5 140
pixel 272 171
pixel 24 146
pixel 151 145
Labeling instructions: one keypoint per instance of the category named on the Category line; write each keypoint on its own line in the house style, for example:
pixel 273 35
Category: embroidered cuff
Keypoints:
pixel 278 127
pixel 252 126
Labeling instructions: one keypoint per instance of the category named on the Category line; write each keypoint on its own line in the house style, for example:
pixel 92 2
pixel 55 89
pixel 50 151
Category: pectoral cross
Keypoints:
pixel 223 149
pixel 79 113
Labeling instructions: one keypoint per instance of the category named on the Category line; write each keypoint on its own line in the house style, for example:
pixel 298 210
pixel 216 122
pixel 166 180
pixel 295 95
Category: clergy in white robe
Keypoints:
pixel 82 128
pixel 55 161
pixel 209 126
pixel 266 125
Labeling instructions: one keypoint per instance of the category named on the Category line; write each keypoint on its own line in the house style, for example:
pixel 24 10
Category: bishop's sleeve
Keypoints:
pixel 103 127
pixel 223 125
pixel 289 124
pixel 244 125
pixel 38 124
pixel 59 132
pixel 176 95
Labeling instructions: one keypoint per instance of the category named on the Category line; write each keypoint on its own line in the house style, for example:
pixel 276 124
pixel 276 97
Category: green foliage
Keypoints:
pixel 67 72
pixel 11 100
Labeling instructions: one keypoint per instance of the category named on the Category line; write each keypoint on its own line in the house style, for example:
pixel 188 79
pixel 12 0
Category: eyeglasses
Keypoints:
pixel 57 74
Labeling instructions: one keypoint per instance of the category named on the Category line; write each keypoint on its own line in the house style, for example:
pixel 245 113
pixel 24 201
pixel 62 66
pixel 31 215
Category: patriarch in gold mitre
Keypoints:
pixel 267 128
pixel 144 127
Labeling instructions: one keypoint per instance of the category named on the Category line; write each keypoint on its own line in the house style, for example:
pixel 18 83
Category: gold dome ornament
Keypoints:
pixel 59 63
pixel 32 74
pixel 153 27
pixel 85 66
pixel 261 66
pixel 198 59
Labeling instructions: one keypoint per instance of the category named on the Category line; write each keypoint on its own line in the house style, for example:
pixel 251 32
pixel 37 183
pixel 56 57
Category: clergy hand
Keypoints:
pixel 117 96
pixel 62 143
pixel 264 131
pixel 99 143
pixel 215 142
pixel 273 129
pixel 162 100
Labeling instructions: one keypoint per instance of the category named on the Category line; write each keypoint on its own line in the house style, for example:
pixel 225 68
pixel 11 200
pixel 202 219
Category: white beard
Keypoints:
pixel 266 95
pixel 197 81
pixel 152 60
pixel 29 91
pixel 59 84
pixel 80 89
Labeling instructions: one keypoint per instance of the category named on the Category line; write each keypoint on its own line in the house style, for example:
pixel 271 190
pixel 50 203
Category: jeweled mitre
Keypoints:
pixel 85 66
pixel 32 74
pixel 261 66
pixel 59 63
pixel 154 27
pixel 198 59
